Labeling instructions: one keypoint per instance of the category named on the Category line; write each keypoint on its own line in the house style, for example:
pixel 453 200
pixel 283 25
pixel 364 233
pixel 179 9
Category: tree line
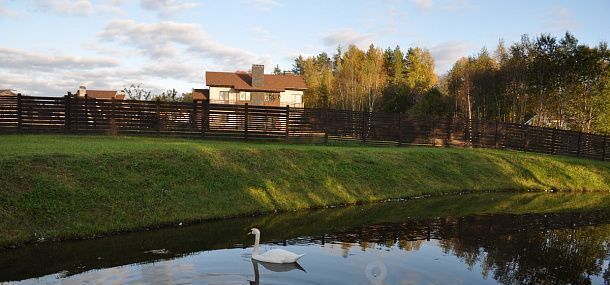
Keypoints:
pixel 139 92
pixel 544 81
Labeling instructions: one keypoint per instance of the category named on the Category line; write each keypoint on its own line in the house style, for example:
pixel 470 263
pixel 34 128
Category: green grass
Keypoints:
pixel 81 186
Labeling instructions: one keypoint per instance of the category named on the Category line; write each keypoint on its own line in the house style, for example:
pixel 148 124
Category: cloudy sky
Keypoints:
pixel 48 47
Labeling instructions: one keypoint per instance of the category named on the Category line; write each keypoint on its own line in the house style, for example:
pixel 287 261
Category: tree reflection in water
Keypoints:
pixel 511 248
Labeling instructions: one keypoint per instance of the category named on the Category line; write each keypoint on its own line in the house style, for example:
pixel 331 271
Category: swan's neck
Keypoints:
pixel 257 238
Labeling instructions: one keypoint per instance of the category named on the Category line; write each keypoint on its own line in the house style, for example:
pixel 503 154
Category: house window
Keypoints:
pixel 224 95
pixel 244 96
pixel 232 97
pixel 269 97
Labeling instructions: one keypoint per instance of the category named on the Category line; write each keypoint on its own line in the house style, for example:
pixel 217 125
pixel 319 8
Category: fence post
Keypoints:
pixel 525 138
pixel 207 114
pixel 505 126
pixel 325 113
pixel 604 147
pixel 193 120
pixel 449 136
pixel 553 138
pixel 246 122
pixel 19 112
pixel 399 129
pixel 74 105
pixel 496 135
pixel 287 122
pixel 86 113
pixel 158 114
pixel 579 142
pixel 113 124
pixel 204 114
pixel 67 113
pixel 363 134
pixel 467 141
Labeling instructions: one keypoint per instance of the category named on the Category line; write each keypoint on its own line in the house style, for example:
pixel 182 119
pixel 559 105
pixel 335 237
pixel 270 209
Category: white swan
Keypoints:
pixel 274 255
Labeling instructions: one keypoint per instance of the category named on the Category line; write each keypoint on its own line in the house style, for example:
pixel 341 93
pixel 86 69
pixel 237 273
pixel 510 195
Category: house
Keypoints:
pixel 8 92
pixel 255 88
pixel 547 122
pixel 100 94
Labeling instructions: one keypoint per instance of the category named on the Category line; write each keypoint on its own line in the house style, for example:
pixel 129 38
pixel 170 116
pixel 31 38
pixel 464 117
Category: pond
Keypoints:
pixel 426 241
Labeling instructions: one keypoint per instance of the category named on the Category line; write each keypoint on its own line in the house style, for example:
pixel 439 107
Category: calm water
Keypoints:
pixel 391 243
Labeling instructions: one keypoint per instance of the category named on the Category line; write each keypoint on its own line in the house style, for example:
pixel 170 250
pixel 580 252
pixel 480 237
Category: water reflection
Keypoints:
pixel 400 242
pixel 274 267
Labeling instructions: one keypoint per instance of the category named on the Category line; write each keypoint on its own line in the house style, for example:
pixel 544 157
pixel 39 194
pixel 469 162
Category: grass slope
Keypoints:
pixel 79 186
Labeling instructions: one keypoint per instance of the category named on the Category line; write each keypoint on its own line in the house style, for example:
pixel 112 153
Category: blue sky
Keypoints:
pixel 48 47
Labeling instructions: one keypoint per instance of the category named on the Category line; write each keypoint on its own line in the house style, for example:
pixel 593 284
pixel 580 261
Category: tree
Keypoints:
pixel 434 104
pixel 547 81
pixel 460 85
pixel 351 79
pixel 277 70
pixel 297 66
pixel 137 92
pixel 395 65
pixel 375 75
pixel 187 97
pixel 318 75
pixel 396 98
pixel 420 76
pixel 170 95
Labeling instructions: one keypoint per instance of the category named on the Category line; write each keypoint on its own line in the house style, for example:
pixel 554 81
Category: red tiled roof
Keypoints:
pixel 243 81
pixel 101 94
pixel 201 94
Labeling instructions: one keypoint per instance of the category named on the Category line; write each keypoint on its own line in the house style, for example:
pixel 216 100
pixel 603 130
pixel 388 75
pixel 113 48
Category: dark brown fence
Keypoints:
pixel 28 114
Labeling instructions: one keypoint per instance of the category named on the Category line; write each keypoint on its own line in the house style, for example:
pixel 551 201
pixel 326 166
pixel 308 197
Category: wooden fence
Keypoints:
pixel 28 114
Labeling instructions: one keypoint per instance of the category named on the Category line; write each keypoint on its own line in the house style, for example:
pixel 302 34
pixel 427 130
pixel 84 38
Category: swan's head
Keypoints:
pixel 254 231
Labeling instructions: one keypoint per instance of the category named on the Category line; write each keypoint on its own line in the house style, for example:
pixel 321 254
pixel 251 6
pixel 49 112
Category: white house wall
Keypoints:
pixel 291 97
pixel 288 97
pixel 234 95
pixel 215 92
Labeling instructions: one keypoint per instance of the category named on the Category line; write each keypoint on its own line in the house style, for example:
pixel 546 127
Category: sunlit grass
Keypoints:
pixel 67 186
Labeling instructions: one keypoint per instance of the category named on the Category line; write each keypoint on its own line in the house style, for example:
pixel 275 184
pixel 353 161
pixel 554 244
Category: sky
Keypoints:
pixel 49 47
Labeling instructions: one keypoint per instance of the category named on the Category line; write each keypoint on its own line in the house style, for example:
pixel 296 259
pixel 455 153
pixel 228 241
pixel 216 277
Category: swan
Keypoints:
pixel 274 255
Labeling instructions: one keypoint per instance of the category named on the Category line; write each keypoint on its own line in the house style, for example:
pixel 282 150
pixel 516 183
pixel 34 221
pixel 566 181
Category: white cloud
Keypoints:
pixel 166 7
pixel 445 54
pixel 160 55
pixel 167 39
pixel 11 58
pixel 43 73
pixel 156 76
pixel 346 37
pixel 47 74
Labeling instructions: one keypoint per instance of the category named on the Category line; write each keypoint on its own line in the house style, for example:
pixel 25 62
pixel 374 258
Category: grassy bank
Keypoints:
pixel 79 186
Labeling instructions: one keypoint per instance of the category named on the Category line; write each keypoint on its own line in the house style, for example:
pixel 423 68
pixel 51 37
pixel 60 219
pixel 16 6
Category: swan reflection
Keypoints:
pixel 275 267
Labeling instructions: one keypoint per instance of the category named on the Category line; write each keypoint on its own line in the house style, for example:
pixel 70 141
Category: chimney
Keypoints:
pixel 258 75
pixel 82 90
